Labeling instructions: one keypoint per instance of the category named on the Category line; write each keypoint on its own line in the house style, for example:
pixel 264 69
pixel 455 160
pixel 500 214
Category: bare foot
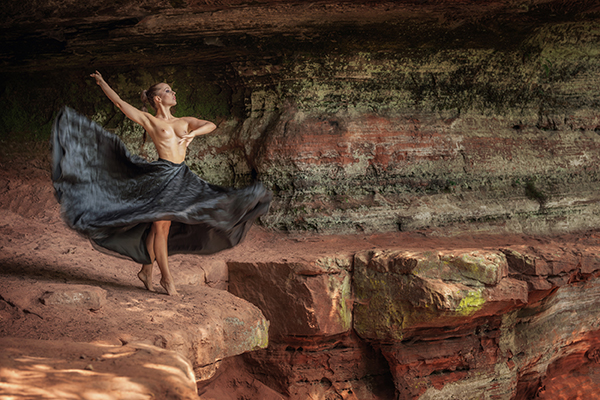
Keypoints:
pixel 169 287
pixel 146 278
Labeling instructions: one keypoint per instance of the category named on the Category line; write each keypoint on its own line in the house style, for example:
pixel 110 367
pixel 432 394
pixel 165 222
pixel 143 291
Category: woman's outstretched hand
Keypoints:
pixel 98 77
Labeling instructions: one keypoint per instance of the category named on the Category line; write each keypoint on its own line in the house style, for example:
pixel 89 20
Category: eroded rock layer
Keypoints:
pixel 361 116
pixel 510 322
pixel 397 315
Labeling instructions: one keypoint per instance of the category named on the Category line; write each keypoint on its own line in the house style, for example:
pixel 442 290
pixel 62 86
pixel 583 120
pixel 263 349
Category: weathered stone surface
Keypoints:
pixel 521 340
pixel 552 265
pixel 429 289
pixel 362 117
pixel 439 360
pixel 61 370
pixel 225 331
pixel 299 298
pixel 440 343
pixel 398 173
pixel 565 323
pixel 331 367
pixel 234 381
pixel 208 325
pixel 482 266
pixel 530 345
pixel 444 320
pixel 92 298
pixel 508 292
pixel 573 376
pixel 202 271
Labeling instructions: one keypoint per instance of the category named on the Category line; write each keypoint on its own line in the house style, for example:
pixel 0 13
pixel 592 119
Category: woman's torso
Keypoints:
pixel 166 135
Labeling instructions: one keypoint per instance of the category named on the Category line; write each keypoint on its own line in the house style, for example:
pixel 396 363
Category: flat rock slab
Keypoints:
pixel 62 370
pixel 300 298
pixel 205 325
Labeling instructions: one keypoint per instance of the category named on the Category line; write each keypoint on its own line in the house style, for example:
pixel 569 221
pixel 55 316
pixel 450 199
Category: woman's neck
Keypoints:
pixel 163 112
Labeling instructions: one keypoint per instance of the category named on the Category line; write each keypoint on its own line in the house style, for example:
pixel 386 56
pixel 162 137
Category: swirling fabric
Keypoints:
pixel 112 197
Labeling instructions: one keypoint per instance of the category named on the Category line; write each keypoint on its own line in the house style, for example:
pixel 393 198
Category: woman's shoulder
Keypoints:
pixel 154 120
pixel 190 119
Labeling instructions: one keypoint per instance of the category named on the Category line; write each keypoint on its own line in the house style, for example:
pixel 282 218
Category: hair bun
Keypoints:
pixel 144 96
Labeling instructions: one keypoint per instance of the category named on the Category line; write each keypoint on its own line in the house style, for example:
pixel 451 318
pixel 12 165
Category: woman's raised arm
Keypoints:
pixel 130 111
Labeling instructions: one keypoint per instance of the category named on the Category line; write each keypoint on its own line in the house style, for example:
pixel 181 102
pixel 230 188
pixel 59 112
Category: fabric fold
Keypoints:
pixel 112 196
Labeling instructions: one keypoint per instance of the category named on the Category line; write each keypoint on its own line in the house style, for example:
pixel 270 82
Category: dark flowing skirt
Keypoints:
pixel 112 197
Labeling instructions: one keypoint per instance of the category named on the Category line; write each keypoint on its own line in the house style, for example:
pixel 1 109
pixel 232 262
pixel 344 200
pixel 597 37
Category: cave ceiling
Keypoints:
pixel 50 34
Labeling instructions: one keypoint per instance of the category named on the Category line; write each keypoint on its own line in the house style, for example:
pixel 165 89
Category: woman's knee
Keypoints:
pixel 162 227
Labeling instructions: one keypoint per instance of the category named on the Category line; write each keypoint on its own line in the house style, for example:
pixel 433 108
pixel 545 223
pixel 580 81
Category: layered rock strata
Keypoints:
pixel 361 116
pixel 494 323
pixel 396 315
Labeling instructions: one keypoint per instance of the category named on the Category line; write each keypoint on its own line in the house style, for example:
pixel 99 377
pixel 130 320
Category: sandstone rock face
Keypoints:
pixel 397 315
pixel 316 294
pixel 318 367
pixel 495 323
pixel 397 292
pixel 361 116
pixel 204 327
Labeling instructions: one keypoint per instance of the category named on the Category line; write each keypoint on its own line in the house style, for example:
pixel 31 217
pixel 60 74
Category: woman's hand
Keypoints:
pixel 196 127
pixel 130 111
pixel 98 77
pixel 186 139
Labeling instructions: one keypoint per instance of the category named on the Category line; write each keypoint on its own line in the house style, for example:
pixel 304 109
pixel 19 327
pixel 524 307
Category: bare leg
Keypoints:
pixel 161 252
pixel 145 274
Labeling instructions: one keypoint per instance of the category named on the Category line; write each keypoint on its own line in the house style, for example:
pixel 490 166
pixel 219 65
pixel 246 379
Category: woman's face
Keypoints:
pixel 167 95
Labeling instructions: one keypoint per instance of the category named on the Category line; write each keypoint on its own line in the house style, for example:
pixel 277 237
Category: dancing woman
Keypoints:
pixel 146 210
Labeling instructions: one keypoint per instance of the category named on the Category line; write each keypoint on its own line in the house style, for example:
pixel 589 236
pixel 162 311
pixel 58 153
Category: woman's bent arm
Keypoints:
pixel 197 127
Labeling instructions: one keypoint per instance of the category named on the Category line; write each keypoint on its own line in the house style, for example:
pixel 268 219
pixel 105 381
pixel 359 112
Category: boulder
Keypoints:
pixel 399 291
pixel 301 297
